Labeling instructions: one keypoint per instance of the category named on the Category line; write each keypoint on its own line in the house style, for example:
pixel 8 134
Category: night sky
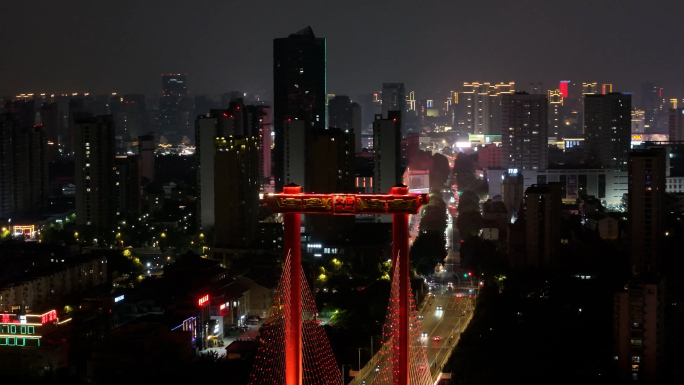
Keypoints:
pixel 124 45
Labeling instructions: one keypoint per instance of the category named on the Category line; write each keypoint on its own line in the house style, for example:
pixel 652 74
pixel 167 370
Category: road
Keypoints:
pixel 457 309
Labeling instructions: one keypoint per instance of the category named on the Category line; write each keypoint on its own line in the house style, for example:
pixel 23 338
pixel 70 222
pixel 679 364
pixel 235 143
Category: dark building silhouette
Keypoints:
pixel 330 169
pixel 394 99
pixel 639 331
pixel 340 113
pixel 299 88
pixel 95 176
pixel 524 127
pixel 346 115
pixel 639 310
pixel 128 185
pixel 175 107
pixel 236 191
pixel 645 209
pixel 676 124
pixel 129 113
pixel 50 119
pixel 607 129
pixel 534 239
pixel 23 160
pixel 655 112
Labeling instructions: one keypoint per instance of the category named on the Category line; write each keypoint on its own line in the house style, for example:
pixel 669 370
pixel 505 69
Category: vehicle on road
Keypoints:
pixel 437 338
pixel 425 334
pixel 439 307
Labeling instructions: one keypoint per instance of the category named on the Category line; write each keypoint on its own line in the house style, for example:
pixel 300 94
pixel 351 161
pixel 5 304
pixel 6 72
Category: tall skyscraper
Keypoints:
pixel 175 108
pixel 294 158
pixel 638 122
pixel 128 185
pixel 479 107
pixel 217 124
pixel 607 129
pixel 346 115
pixel 646 193
pixel 259 126
pixel 299 88
pixel 542 205
pixel 524 131
pixel 639 311
pixel 651 99
pixel 330 169
pixel 393 98
pixel 339 112
pixel 129 118
pixel 94 158
pixel 23 160
pixel 555 114
pixel 387 149
pixel 676 124
pixel 236 176
pixel 357 119
pixel 639 331
pixel 146 152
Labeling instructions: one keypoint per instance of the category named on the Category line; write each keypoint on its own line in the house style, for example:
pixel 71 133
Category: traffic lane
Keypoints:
pixel 444 322
pixel 450 327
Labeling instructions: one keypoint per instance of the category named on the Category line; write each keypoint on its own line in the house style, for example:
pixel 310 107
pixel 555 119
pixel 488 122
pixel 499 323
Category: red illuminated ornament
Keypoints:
pixel 49 316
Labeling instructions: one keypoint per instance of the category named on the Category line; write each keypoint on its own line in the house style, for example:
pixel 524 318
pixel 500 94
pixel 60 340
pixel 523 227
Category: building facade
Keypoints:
pixel 524 131
pixel 645 209
pixel 96 174
pixel 299 88
pixel 607 129
pixel 236 191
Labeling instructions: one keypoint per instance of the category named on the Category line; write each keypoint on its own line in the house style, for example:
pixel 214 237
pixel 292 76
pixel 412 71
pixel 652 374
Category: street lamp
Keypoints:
pixel 360 359
pixel 343 376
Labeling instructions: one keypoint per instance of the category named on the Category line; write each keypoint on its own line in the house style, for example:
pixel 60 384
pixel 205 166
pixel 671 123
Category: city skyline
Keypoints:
pixel 432 49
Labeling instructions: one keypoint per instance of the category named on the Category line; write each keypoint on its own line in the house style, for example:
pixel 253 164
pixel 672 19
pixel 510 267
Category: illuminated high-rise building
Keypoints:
pixel 555 113
pixel 607 129
pixel 590 88
pixel 479 107
pixel 638 122
pixel 299 88
pixel 524 131
pixel 94 157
